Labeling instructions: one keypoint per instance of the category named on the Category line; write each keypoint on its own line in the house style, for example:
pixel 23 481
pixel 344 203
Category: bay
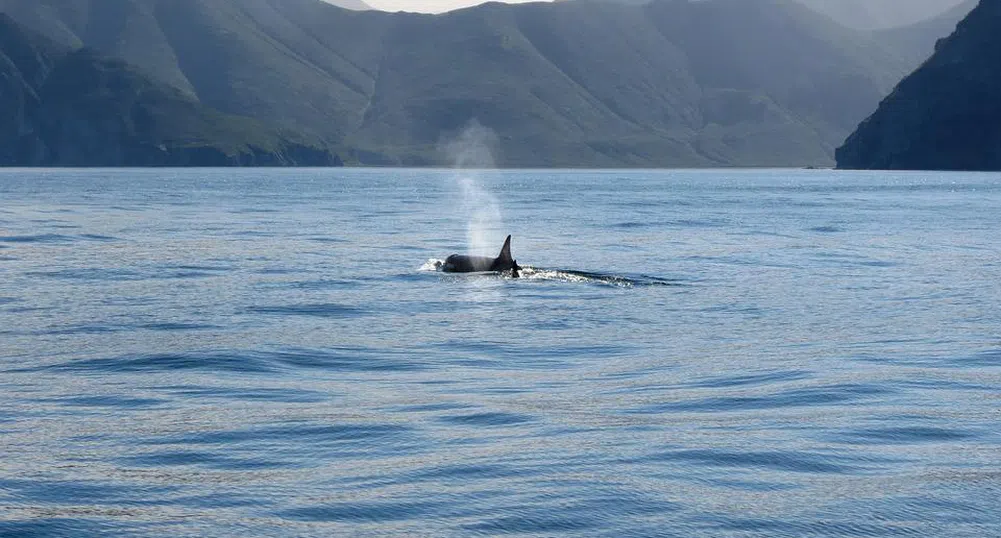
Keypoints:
pixel 688 353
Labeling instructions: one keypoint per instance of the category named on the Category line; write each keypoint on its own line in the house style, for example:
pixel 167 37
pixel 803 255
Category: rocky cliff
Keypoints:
pixel 74 108
pixel 947 114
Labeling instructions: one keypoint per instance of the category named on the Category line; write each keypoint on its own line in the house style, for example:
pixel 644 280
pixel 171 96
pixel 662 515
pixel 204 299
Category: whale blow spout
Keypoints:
pixel 460 263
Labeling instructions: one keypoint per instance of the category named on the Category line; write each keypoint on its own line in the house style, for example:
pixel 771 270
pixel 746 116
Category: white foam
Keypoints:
pixel 432 265
pixel 532 273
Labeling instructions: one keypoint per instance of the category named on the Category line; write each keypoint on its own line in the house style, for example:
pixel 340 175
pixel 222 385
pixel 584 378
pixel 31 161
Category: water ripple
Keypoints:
pixel 549 515
pixel 374 512
pixel 983 359
pixel 826 395
pixel 796 462
pixel 252 362
pixel 338 434
pixel 779 527
pixel 283 395
pixel 749 379
pixel 91 491
pixel 49 527
pixel 210 460
pixel 40 238
pixel 123 402
pixel 487 419
pixel 97 274
pixel 905 435
pixel 323 310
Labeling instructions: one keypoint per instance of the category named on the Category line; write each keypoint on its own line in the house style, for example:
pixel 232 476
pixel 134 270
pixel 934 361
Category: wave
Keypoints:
pixel 344 359
pixel 39 238
pixel 55 238
pixel 571 276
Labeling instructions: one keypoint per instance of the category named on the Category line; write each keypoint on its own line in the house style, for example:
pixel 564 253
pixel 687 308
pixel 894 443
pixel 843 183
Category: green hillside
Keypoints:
pixel 75 108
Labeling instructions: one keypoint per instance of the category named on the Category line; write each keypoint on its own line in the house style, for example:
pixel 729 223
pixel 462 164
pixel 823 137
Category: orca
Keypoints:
pixel 458 263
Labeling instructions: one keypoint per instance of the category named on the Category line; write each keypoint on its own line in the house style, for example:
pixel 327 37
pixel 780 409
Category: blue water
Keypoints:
pixel 689 353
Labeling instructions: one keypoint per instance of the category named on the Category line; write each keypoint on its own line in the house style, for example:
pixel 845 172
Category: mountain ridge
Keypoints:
pixel 635 89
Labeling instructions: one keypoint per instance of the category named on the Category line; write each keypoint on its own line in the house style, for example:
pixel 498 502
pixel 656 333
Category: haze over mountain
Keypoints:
pixel 860 14
pixel 431 6
pixel 73 108
pixel 881 14
pixel 947 114
pixel 915 42
pixel 670 83
pixel 357 5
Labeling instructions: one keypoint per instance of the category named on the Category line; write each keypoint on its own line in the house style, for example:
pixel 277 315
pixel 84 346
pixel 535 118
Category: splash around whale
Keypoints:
pixel 460 263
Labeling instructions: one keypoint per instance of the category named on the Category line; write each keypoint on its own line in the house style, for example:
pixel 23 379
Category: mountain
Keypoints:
pixel 604 85
pixel 881 14
pixel 585 83
pixel 306 64
pixel 947 114
pixel 74 108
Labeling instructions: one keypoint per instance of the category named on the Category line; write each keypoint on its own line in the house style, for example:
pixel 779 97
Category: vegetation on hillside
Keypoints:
pixel 76 108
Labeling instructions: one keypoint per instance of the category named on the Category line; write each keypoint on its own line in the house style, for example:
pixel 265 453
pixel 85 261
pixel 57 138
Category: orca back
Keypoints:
pixel 458 263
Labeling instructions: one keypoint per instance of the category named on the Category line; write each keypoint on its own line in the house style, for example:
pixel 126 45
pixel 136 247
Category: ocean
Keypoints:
pixel 273 352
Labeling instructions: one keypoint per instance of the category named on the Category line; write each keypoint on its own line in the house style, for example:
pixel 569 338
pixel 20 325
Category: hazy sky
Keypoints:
pixel 427 6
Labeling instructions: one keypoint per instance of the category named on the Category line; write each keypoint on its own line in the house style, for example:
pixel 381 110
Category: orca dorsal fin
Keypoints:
pixel 505 253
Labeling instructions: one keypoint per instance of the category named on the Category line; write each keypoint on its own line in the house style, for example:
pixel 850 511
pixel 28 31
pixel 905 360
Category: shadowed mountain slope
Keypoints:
pixel 947 114
pixel 73 108
pixel 669 83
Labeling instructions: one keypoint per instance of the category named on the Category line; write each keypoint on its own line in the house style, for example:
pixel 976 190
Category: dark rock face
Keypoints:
pixel 63 108
pixel 947 114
